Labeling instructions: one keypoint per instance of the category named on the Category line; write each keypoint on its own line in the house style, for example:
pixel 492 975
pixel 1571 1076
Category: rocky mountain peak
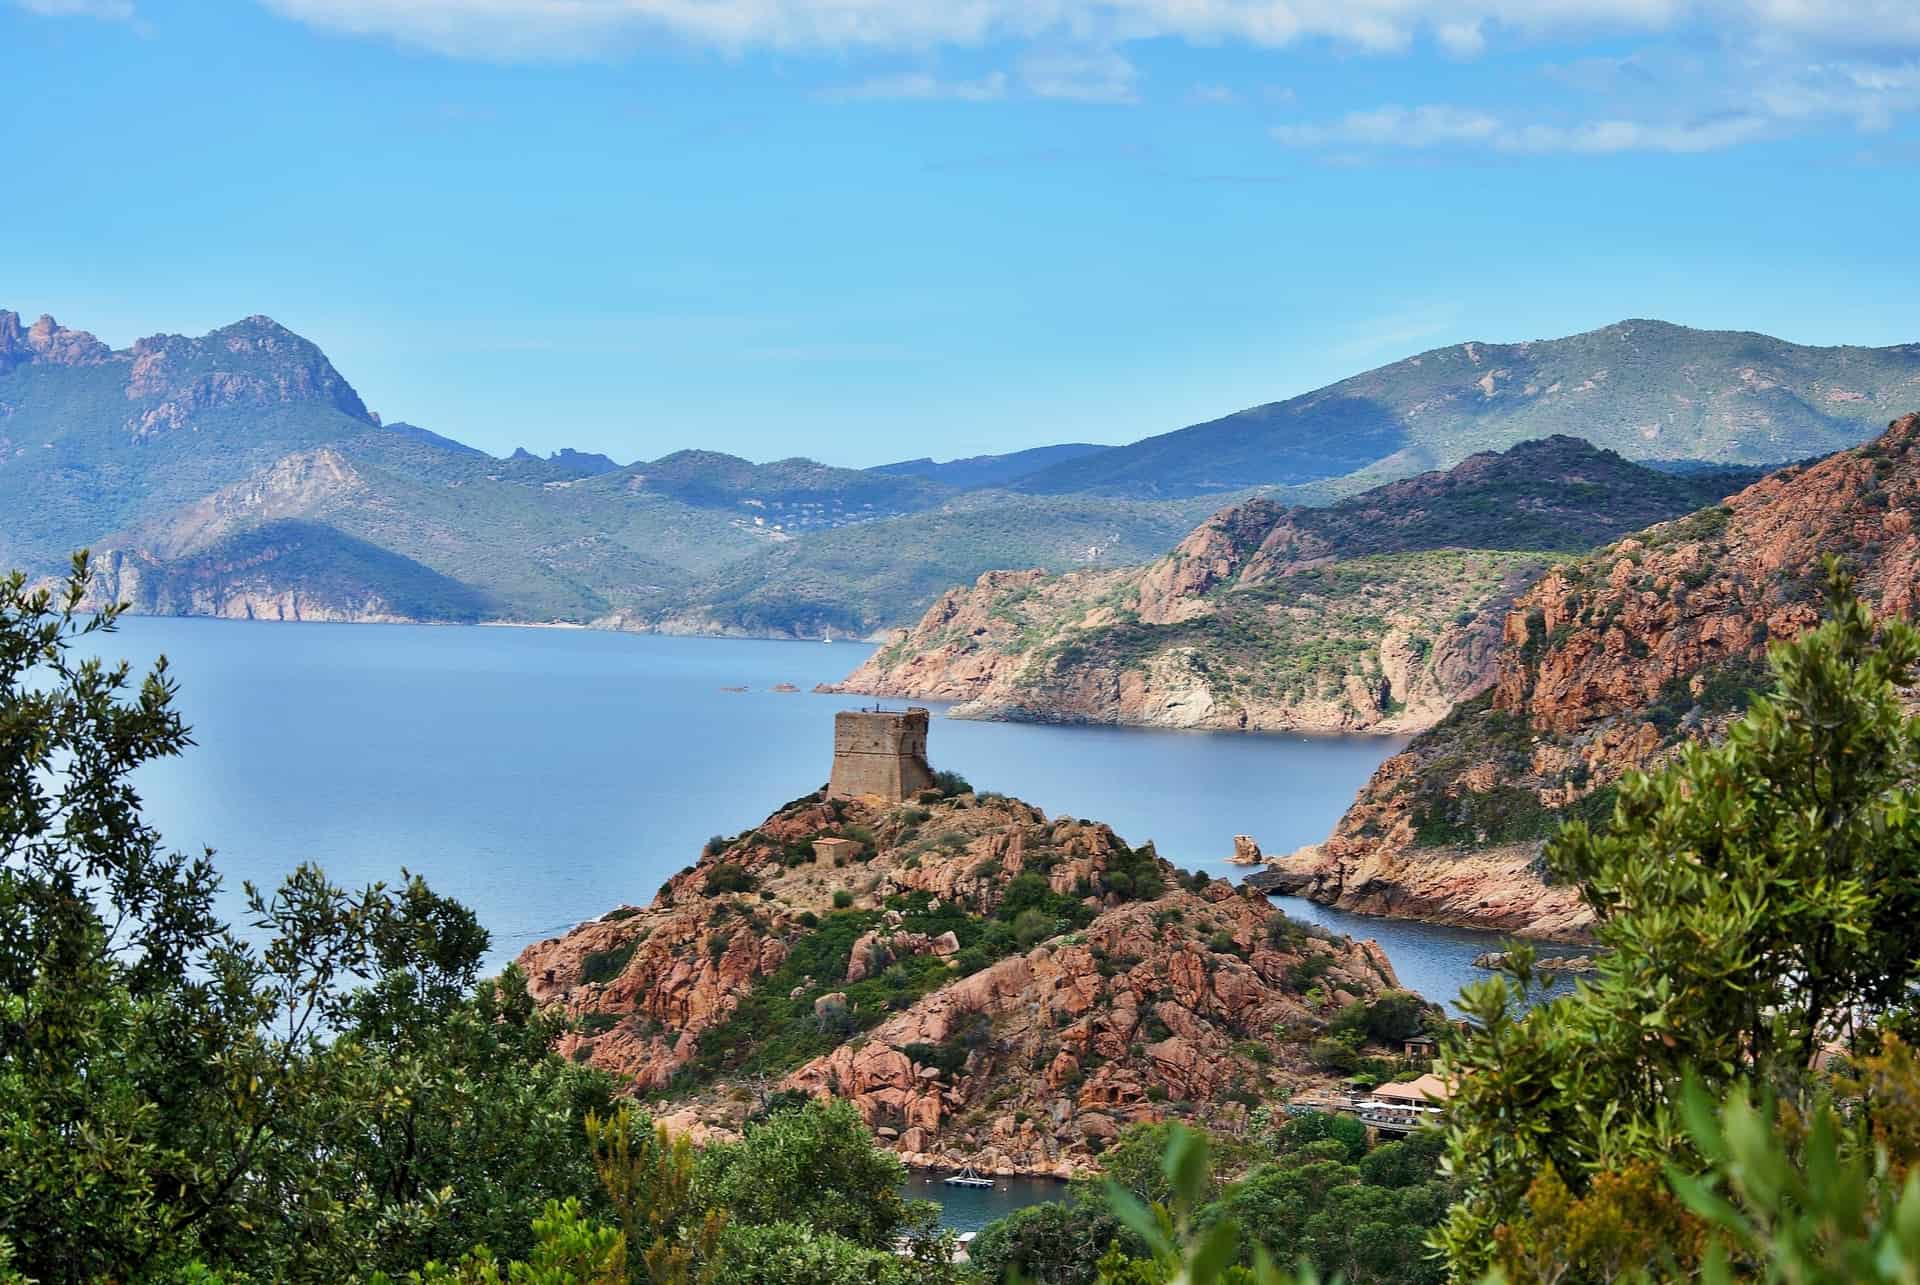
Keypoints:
pixel 46 342
pixel 255 362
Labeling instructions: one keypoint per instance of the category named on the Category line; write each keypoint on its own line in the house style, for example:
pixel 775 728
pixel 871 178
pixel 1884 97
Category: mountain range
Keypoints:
pixel 240 474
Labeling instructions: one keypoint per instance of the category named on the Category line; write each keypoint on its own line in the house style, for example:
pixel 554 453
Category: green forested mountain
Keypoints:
pixel 222 474
pixel 1647 389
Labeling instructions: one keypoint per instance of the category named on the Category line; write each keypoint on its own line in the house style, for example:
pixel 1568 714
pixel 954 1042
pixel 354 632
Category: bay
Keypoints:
pixel 544 776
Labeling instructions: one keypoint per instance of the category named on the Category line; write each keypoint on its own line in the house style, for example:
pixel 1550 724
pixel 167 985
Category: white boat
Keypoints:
pixel 968 1178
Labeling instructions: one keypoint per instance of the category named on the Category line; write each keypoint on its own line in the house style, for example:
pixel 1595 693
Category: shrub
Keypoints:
pixel 842 898
pixel 1031 927
pixel 951 784
pixel 598 1023
pixel 729 876
pixel 605 965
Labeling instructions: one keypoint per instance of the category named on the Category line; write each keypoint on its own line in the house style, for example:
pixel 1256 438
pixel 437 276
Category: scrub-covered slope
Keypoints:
pixel 1373 613
pixel 1610 663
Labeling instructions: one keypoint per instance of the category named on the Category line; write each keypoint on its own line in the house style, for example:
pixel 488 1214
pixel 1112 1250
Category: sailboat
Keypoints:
pixel 827 636
pixel 968 1178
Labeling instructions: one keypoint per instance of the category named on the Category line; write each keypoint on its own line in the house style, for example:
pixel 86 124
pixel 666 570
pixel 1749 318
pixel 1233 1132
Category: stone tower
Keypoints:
pixel 880 752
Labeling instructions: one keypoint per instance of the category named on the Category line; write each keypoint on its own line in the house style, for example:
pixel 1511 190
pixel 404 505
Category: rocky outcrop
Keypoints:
pixel 1613 662
pixel 1544 964
pixel 1375 614
pixel 46 342
pixel 1143 989
pixel 254 363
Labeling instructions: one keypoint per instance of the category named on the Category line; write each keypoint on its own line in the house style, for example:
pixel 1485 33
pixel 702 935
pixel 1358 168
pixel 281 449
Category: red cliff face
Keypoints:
pixel 1024 1063
pixel 1609 663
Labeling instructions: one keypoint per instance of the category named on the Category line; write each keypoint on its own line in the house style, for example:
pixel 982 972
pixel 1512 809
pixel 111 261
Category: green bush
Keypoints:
pixel 729 876
pixel 842 898
pixel 604 965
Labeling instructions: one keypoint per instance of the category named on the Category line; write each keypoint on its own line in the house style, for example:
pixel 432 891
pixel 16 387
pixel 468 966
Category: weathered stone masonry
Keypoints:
pixel 880 752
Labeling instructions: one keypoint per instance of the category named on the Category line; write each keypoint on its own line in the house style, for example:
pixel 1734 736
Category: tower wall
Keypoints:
pixel 880 753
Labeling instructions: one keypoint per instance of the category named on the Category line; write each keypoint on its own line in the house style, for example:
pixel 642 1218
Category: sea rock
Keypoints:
pixel 1542 964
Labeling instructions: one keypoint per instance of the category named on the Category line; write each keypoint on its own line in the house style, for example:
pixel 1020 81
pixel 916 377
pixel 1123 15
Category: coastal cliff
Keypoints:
pixel 1610 663
pixel 1375 614
pixel 990 987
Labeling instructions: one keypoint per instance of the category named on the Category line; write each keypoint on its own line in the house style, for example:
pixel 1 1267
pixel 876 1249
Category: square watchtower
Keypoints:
pixel 880 752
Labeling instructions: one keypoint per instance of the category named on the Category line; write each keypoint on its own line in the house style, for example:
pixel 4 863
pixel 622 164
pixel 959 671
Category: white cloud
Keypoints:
pixel 1094 76
pixel 115 10
pixel 590 28
pixel 1445 126
pixel 923 87
pixel 1391 126
pixel 1213 95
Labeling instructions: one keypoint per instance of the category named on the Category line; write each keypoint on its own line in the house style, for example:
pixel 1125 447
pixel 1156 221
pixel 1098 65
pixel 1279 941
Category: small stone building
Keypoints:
pixel 881 753
pixel 825 850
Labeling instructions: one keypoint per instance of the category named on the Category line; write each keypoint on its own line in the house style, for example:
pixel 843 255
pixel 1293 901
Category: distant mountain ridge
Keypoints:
pixel 980 471
pixel 1374 613
pixel 115 449
pixel 1648 389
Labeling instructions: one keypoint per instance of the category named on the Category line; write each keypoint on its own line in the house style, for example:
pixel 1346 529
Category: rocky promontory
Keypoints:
pixel 1374 614
pixel 989 986
pixel 1612 662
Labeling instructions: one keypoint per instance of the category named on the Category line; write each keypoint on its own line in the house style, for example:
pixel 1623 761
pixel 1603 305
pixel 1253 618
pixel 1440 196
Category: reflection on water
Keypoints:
pixel 1433 960
pixel 971 1208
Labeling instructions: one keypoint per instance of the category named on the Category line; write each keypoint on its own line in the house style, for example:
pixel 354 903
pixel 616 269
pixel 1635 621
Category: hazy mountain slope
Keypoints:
pixel 525 550
pixel 977 472
pixel 92 440
pixel 1612 661
pixel 288 569
pixel 1648 389
pixel 1375 613
pixel 790 495
pixel 858 579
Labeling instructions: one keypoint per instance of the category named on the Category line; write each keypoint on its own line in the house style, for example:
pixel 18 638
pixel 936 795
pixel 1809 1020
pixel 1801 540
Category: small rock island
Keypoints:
pixel 990 986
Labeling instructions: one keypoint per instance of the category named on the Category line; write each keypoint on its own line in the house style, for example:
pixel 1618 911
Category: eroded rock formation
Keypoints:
pixel 1096 985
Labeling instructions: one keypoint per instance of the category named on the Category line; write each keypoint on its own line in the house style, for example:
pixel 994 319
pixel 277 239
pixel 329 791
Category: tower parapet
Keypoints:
pixel 880 752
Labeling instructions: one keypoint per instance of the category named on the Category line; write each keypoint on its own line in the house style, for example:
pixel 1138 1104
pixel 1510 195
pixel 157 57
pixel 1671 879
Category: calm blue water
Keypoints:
pixel 544 776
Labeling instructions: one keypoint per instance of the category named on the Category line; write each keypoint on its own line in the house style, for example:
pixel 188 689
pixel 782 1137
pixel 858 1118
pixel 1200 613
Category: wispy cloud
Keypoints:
pixel 1213 95
pixel 1446 126
pixel 113 10
pixel 923 87
pixel 1085 76
pixel 584 28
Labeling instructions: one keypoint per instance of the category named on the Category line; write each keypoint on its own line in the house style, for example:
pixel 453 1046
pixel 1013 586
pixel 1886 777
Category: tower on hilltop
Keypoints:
pixel 880 752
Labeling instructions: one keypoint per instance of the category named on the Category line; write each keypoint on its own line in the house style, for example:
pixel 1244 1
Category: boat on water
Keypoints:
pixel 968 1178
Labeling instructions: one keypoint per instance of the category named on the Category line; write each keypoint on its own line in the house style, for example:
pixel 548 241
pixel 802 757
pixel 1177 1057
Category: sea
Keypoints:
pixel 544 776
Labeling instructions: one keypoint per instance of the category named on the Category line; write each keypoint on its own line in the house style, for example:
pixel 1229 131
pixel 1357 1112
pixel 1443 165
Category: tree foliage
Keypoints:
pixel 1756 903
pixel 328 1090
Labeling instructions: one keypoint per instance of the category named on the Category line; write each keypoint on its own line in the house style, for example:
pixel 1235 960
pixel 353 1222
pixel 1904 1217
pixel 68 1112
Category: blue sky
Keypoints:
pixel 868 229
